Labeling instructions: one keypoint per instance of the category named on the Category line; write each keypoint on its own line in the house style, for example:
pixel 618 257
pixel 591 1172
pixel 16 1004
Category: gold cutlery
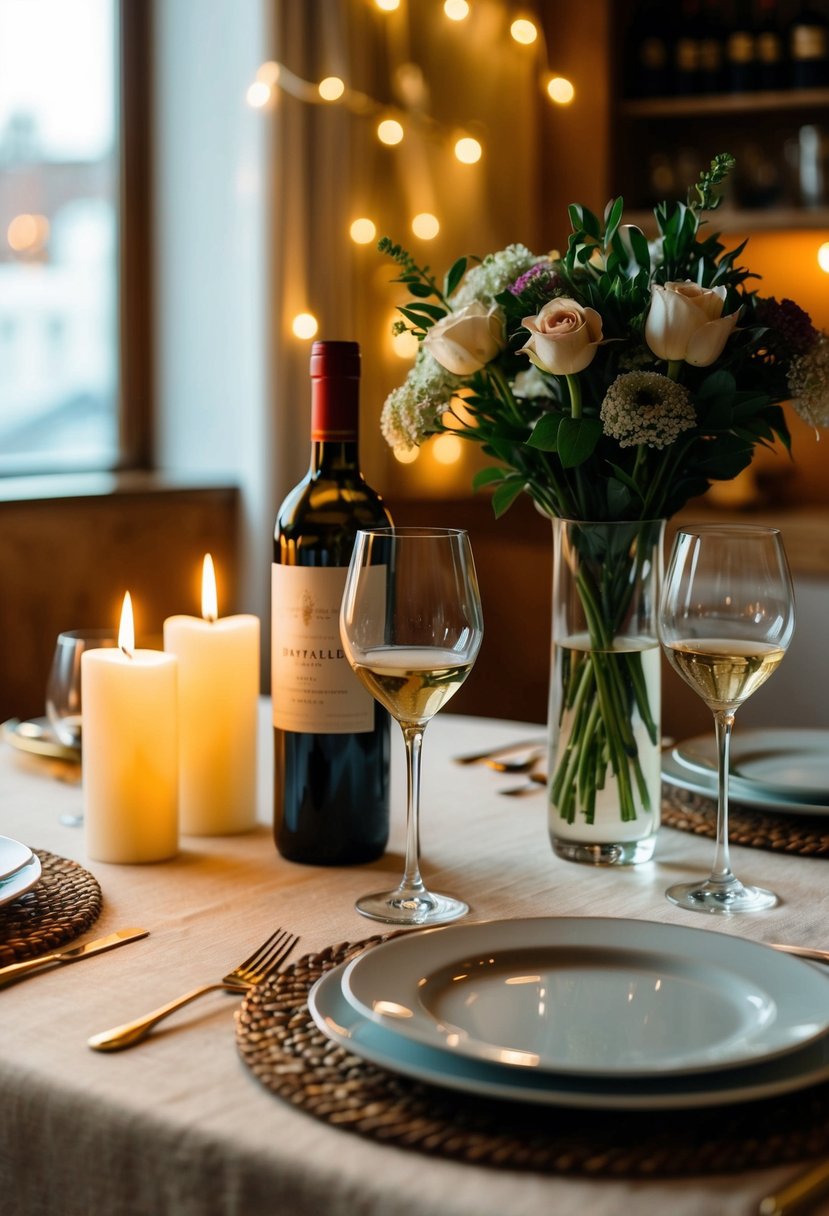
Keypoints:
pixel 259 966
pixel 524 765
pixel 504 750
pixel 810 952
pixel 531 786
pixel 798 1194
pixel 16 971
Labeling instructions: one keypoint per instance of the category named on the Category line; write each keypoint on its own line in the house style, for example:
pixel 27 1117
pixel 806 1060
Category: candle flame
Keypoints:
pixel 126 632
pixel 209 601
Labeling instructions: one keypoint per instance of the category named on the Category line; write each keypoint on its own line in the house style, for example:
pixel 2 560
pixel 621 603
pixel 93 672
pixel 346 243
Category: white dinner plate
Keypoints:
pixel 780 770
pixel 22 879
pixel 337 1018
pixel 595 996
pixel 13 855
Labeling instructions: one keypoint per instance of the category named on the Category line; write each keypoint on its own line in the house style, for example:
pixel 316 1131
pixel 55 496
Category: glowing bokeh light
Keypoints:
pixel 426 226
pixel 331 88
pixel 523 31
pixel 823 257
pixel 363 231
pixel 456 10
pixel 405 345
pixel 560 90
pixel 269 73
pixel 27 233
pixel 389 131
pixel 405 455
pixel 447 449
pixel 304 325
pixel 468 151
pixel 258 94
pixel 387 6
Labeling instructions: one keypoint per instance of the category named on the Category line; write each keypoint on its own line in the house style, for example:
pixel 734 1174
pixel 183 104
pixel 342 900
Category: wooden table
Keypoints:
pixel 179 1126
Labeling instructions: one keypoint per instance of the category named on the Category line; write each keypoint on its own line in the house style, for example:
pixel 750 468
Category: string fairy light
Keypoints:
pixel 363 231
pixel 304 325
pixel 823 256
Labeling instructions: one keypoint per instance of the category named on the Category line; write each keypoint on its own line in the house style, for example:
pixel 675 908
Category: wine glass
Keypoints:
pixel 411 627
pixel 63 689
pixel 726 618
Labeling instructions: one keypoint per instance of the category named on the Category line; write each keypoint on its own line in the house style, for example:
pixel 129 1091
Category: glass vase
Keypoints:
pixel 604 722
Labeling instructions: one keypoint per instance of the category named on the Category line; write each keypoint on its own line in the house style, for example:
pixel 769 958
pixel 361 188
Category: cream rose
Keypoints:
pixel 564 337
pixel 466 340
pixel 686 322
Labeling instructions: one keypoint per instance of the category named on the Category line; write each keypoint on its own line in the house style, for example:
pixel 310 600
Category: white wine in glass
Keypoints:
pixel 726 619
pixel 411 628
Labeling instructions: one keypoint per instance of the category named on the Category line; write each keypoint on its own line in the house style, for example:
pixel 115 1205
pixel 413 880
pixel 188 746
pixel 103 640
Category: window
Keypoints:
pixel 60 168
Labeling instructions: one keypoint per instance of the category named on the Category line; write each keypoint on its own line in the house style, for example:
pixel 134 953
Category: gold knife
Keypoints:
pixel 16 970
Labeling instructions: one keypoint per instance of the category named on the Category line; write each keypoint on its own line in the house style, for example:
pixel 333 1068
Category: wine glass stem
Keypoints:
pixel 411 883
pixel 722 873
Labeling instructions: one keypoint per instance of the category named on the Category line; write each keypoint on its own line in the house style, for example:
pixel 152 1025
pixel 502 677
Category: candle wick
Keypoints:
pixel 128 653
pixel 210 618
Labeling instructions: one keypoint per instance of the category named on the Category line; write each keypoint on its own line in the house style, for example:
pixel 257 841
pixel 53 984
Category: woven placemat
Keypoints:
pixel 804 834
pixel 64 902
pixel 280 1043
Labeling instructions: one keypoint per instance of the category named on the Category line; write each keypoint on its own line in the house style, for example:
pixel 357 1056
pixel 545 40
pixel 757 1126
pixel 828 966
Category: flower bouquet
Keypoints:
pixel 611 384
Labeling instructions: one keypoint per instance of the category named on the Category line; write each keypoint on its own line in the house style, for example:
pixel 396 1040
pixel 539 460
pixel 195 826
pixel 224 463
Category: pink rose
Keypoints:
pixel 564 337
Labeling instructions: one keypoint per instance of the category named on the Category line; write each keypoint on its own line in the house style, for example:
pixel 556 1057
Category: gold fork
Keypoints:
pixel 261 965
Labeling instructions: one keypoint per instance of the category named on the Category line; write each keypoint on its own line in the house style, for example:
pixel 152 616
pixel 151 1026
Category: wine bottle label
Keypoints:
pixel 809 42
pixel 740 47
pixel 769 48
pixel 653 53
pixel 313 689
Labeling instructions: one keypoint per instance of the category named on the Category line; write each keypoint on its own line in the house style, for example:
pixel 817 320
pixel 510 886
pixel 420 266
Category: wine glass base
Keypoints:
pixel 720 898
pixel 424 908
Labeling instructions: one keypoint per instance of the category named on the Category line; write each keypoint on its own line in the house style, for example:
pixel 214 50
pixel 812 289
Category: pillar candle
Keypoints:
pixel 218 665
pixel 130 751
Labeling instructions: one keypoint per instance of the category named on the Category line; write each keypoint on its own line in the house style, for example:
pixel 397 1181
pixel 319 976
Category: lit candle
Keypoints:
pixel 130 750
pixel 218 663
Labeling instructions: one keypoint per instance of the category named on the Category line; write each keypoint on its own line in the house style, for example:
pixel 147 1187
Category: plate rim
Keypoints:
pixel 807 1066
pixel 12 887
pixel 757 739
pixel 5 875
pixel 426 1030
pixel 681 778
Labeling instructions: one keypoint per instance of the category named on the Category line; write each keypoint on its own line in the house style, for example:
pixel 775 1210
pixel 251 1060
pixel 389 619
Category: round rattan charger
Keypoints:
pixel 62 904
pixel 807 835
pixel 280 1043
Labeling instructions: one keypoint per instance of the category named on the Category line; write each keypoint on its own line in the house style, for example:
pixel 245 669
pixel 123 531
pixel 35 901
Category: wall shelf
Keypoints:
pixel 718 104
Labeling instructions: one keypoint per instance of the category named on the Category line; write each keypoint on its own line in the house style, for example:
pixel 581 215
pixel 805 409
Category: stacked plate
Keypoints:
pixel 596 1013
pixel 19 869
pixel 772 770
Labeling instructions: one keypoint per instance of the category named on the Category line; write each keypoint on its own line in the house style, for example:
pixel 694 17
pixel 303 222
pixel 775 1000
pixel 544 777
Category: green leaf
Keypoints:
pixel 506 494
pixel 625 478
pixel 545 433
pixel 454 276
pixel 411 316
pixel 619 498
pixel 428 310
pixel 421 290
pixel 486 477
pixel 577 438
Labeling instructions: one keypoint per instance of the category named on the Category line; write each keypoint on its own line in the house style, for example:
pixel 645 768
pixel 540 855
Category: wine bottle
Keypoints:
pixel 649 51
pixel 809 48
pixel 740 51
pixel 331 738
pixel 687 48
pixel 768 43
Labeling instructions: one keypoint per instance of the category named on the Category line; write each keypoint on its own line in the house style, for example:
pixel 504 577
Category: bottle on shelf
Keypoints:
pixel 768 46
pixel 331 738
pixel 740 51
pixel 711 48
pixel 808 46
pixel 687 50
pixel 649 51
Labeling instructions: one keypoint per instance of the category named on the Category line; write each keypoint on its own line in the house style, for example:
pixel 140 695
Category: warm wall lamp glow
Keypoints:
pixel 27 233
pixel 426 226
pixel 405 344
pixel 363 231
pixel 456 10
pixel 387 6
pixel 468 151
pixel 258 94
pixel 389 131
pixel 823 257
pixel 405 455
pixel 523 31
pixel 331 88
pixel 560 90
pixel 304 325
pixel 446 449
